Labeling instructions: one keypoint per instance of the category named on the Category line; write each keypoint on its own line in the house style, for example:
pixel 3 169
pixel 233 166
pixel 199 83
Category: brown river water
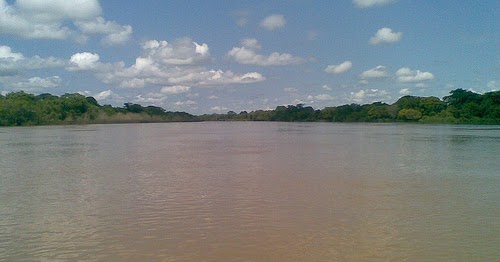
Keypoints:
pixel 251 191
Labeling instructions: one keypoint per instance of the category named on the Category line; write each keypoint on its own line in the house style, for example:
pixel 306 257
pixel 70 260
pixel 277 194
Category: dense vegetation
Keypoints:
pixel 19 108
pixel 461 106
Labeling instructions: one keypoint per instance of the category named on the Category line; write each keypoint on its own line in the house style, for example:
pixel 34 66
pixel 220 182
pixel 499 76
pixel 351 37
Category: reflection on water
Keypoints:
pixel 249 192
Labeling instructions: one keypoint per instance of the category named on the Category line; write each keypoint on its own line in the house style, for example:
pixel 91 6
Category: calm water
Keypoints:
pixel 250 192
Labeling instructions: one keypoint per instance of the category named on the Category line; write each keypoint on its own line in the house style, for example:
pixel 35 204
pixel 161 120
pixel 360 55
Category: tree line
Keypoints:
pixel 21 109
pixel 460 107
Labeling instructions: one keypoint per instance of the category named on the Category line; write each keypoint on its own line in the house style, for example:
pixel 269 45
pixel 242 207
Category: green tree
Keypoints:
pixel 431 106
pixel 133 108
pixel 408 102
pixel 459 97
pixel 409 114
pixel 379 111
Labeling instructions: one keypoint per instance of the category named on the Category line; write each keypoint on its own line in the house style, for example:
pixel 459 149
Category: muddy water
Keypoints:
pixel 250 192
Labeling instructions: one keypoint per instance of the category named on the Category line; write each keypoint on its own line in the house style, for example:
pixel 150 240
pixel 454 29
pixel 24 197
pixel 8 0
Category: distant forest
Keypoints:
pixel 460 107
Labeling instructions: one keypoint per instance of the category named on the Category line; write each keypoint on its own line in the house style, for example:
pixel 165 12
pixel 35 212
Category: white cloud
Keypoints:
pixel 50 10
pixel 51 19
pixel 103 95
pixel 186 103
pixel 407 75
pixel 213 97
pixel 326 87
pixel 171 90
pixel 370 3
pixel 11 62
pixel 150 98
pixel 405 91
pixel 133 83
pixel 421 85
pixel 183 51
pixel 38 82
pixel 322 97
pixel 371 95
pixel 358 96
pixel 179 63
pixel 291 90
pixel 251 43
pixel 201 49
pixel 492 85
pixel 44 19
pixel 83 61
pixel 116 34
pixel 273 22
pixel 218 108
pixel 140 75
pixel 385 35
pixel 337 69
pixel 247 55
pixel 7 54
pixel 376 72
pixel 215 77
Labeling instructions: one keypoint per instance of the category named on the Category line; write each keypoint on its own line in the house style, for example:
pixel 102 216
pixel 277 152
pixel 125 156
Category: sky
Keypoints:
pixel 215 56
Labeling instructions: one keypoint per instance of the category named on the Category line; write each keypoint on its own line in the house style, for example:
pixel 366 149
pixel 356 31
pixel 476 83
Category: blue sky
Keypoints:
pixel 216 56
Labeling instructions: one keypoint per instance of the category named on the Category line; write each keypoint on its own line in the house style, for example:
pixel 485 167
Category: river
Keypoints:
pixel 250 191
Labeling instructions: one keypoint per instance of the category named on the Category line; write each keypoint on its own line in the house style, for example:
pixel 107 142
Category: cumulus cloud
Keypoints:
pixel 370 3
pixel 376 72
pixel 38 83
pixel 172 90
pixel 12 62
pixel 326 87
pixel 183 51
pixel 216 77
pixel 337 69
pixel 273 22
pixel 218 108
pixel 369 94
pixel 83 61
pixel 358 96
pixel 186 103
pixel 405 91
pixel 7 54
pixel 251 43
pixel 247 55
pixel 322 97
pixel 103 95
pixel 180 63
pixel 116 34
pixel 150 98
pixel 407 75
pixel 201 49
pixel 385 35
pixel 51 19
pixel 133 83
pixel 50 10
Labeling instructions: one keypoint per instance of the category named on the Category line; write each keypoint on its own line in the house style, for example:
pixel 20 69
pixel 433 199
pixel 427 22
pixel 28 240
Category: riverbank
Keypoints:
pixel 460 107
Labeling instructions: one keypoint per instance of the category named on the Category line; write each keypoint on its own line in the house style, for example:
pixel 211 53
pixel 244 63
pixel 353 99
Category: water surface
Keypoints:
pixel 250 192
